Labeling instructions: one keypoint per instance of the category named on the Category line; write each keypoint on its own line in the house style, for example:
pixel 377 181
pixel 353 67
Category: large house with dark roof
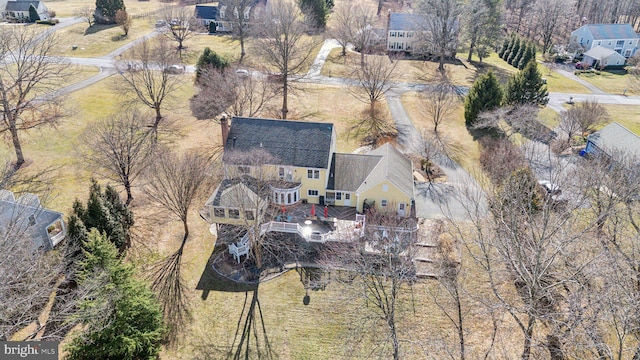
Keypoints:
pixel 277 171
pixel 18 11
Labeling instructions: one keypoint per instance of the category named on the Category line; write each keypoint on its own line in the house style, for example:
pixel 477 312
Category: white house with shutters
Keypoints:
pixel 620 38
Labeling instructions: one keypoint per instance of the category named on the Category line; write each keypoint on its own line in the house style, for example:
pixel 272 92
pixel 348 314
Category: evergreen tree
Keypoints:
pixel 106 212
pixel 486 94
pixel 211 59
pixel 512 44
pixel 514 51
pixel 528 56
pixel 122 318
pixel 33 14
pixel 504 47
pixel 520 54
pixel 106 10
pixel 316 12
pixel 527 87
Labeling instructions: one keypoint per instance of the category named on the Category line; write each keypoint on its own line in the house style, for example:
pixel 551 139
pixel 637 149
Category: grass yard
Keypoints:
pixel 626 115
pixel 465 149
pixel 406 70
pixel 69 8
pixel 98 40
pixel 610 82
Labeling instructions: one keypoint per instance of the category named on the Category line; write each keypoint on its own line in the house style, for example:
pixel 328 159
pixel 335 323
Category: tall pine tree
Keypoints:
pixel 529 55
pixel 122 318
pixel 514 51
pixel 527 87
pixel 486 94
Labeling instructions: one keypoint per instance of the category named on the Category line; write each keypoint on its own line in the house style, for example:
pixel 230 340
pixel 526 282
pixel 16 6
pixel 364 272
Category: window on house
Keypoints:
pixel 338 196
pixel 400 34
pixel 281 172
pixel 218 212
pixel 313 174
pixel 347 196
pixel 234 213
pixel 620 43
pixel 249 215
pixel 383 203
pixel 599 42
pixel 392 34
pixel 244 170
pixel 385 187
pixel 609 43
pixel 312 193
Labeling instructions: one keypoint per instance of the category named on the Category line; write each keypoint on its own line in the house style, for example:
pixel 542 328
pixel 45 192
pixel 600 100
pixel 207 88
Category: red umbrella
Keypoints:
pixel 326 211
pixel 313 209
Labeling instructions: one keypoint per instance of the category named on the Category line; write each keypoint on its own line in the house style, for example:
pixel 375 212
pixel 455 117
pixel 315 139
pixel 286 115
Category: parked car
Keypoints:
pixel 175 69
pixel 161 23
pixel 242 72
pixel 582 66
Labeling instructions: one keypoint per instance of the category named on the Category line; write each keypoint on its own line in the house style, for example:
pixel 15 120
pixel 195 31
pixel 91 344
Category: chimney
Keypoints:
pixel 224 124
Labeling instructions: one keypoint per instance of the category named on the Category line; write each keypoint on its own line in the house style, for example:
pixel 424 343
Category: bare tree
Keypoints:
pixel 27 275
pixel 27 73
pixel 380 270
pixel 362 34
pixel 281 41
pixel 440 100
pixel 240 22
pixel 144 75
pixel 119 149
pixel 441 26
pixel 180 24
pixel 86 13
pixel 588 115
pixel 174 183
pixel 342 24
pixel 550 15
pixel 227 91
pixel 124 20
pixel 374 79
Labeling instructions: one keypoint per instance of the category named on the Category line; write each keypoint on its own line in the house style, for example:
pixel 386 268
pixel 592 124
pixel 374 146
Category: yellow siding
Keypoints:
pixel 393 196
pixel 314 184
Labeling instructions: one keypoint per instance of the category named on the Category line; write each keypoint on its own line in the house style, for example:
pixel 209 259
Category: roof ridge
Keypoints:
pixel 282 120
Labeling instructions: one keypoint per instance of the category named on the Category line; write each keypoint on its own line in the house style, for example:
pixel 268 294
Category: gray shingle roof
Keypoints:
pixel 617 138
pixel 611 31
pixel 236 193
pixel 15 216
pixel 294 143
pixel 21 5
pixel 394 167
pixel 348 171
pixel 405 21
pixel 207 12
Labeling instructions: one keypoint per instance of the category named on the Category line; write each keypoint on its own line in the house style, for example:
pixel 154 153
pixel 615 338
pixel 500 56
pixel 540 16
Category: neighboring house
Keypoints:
pixel 600 57
pixel 375 37
pixel 18 11
pixel 614 138
pixel 620 38
pixel 410 33
pixel 26 215
pixel 305 172
pixel 221 14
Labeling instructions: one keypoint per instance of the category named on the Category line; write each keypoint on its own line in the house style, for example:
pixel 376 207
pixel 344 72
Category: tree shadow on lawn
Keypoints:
pixel 481 69
pixel 95 28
